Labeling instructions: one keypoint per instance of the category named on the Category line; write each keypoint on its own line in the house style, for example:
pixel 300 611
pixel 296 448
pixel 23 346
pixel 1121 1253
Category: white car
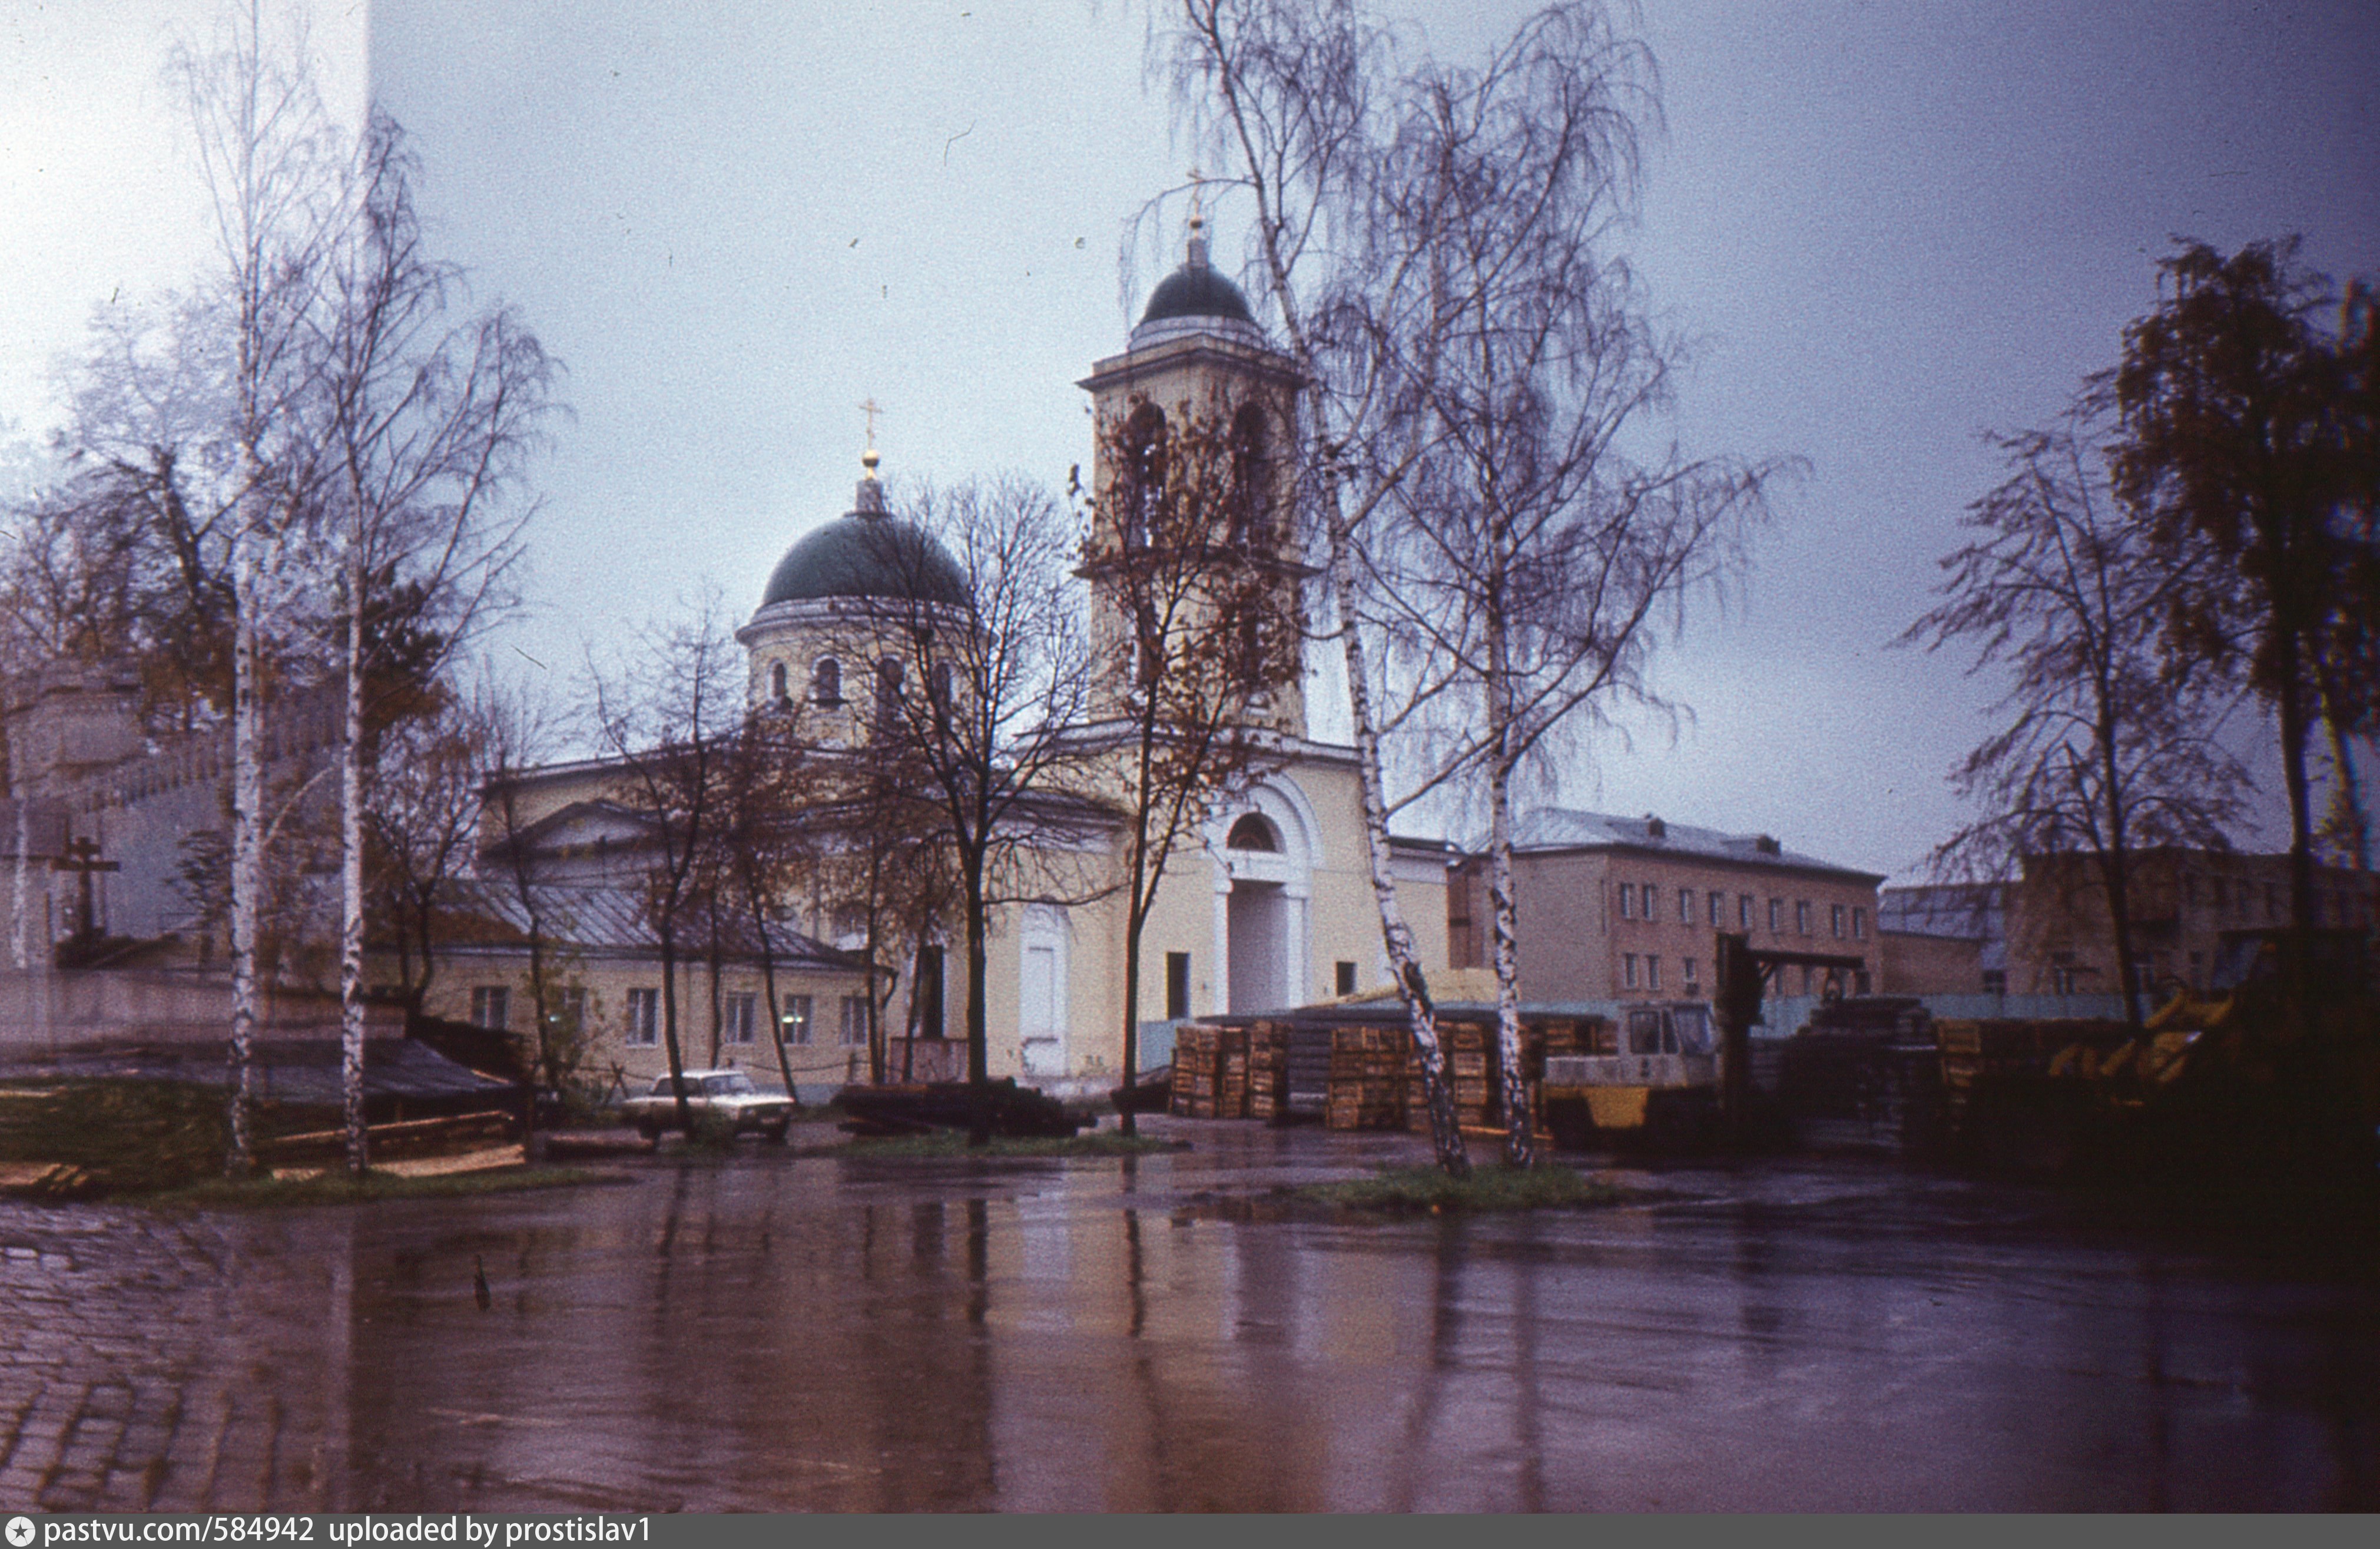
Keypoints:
pixel 726 1095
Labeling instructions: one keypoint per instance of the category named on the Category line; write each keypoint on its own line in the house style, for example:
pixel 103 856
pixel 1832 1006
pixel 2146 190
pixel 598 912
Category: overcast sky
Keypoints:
pixel 1890 227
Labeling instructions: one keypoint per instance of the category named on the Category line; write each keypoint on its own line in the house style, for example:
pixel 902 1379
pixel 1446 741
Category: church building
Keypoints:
pixel 1269 906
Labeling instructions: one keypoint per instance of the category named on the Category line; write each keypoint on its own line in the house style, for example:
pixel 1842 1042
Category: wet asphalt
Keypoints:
pixel 783 1332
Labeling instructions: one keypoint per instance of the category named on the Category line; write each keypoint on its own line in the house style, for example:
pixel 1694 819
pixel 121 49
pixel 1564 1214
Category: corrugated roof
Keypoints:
pixel 1552 828
pixel 612 920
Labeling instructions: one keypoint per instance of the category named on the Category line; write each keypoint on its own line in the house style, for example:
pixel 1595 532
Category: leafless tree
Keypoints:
pixel 514 729
pixel 665 724
pixel 419 831
pixel 428 427
pixel 2101 752
pixel 1436 243
pixel 1530 556
pixel 987 677
pixel 273 167
pixel 1190 547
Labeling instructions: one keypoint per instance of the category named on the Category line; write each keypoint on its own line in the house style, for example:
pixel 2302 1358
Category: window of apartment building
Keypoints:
pixel 1837 918
pixel 644 1015
pixel 1685 906
pixel 1777 917
pixel 1177 986
pixel 1652 901
pixel 1627 900
pixel 2271 902
pixel 794 1019
pixel 855 1021
pixel 1344 977
pixel 1718 911
pixel 1801 917
pixel 1653 972
pixel 491 1004
pixel 1859 923
pixel 1686 973
pixel 736 1020
pixel 1994 982
pixel 1743 912
pixel 1628 970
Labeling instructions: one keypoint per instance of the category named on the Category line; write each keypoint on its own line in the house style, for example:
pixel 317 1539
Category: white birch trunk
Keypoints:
pixel 351 872
pixel 246 845
pixel 1519 1139
pixel 1396 937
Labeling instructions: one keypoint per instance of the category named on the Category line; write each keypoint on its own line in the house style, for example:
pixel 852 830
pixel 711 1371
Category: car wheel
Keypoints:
pixel 775 1134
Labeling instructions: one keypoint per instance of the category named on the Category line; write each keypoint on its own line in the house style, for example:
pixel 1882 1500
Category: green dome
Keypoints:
pixel 1196 291
pixel 864 555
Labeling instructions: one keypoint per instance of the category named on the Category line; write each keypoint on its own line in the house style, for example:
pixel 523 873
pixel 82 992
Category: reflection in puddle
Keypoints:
pixel 1143 1336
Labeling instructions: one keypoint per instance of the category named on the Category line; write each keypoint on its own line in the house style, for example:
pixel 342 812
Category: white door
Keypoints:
pixel 1044 1049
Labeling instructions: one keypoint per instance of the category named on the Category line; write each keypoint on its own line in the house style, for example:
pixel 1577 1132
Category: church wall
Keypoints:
pixel 607 978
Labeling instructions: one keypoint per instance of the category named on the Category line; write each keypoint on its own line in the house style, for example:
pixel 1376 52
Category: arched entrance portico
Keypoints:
pixel 1263 843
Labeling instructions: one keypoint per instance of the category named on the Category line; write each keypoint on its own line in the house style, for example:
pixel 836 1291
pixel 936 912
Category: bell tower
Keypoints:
pixel 1199 410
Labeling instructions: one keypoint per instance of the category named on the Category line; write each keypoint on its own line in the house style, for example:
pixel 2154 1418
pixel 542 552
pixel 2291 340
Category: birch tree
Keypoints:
pixel 1435 242
pixel 428 427
pixel 272 164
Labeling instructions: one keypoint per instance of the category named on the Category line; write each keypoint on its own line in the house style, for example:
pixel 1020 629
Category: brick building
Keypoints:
pixel 1629 909
pixel 2182 901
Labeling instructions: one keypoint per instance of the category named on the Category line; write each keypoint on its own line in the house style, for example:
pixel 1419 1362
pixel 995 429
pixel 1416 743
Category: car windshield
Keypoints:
pixel 727 1086
pixel 662 1087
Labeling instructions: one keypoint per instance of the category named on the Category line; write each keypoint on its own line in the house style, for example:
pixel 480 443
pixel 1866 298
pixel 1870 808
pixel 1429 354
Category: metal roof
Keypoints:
pixel 597 919
pixel 1560 828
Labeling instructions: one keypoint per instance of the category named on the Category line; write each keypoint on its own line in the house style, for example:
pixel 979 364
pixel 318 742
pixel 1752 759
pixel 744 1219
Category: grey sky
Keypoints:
pixel 1891 226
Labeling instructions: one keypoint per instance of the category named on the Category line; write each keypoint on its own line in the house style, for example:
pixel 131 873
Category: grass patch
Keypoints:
pixel 334 1188
pixel 117 1137
pixel 1495 1188
pixel 953 1142
pixel 163 1143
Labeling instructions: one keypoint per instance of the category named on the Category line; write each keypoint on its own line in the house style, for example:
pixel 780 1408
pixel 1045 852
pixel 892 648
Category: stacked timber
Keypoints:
pixel 1367 1078
pixel 1211 1072
pixel 1268 1062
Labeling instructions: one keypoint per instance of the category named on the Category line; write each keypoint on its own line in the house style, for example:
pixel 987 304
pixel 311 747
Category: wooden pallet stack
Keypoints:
pixel 1367 1078
pixel 1211 1072
pixel 1268 1058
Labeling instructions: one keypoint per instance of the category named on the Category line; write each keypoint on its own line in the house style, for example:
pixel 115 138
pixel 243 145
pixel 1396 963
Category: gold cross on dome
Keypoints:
pixel 871 411
pixel 1198 188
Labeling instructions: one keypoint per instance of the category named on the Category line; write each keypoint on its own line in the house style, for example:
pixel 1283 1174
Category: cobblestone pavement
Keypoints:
pixel 171 1362
pixel 776 1331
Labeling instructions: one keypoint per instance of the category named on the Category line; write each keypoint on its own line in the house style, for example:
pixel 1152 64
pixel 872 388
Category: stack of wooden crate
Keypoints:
pixel 1268 1058
pixel 1211 1072
pixel 1367 1078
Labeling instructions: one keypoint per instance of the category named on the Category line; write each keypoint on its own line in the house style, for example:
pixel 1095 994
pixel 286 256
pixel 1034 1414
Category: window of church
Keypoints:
pixel 1251 511
pixel 1143 471
pixel 1253 831
pixel 777 694
pixel 888 695
pixel 1177 986
pixel 826 682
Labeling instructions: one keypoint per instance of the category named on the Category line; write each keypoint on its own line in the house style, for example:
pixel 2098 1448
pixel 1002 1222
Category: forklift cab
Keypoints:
pixel 1684 1028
